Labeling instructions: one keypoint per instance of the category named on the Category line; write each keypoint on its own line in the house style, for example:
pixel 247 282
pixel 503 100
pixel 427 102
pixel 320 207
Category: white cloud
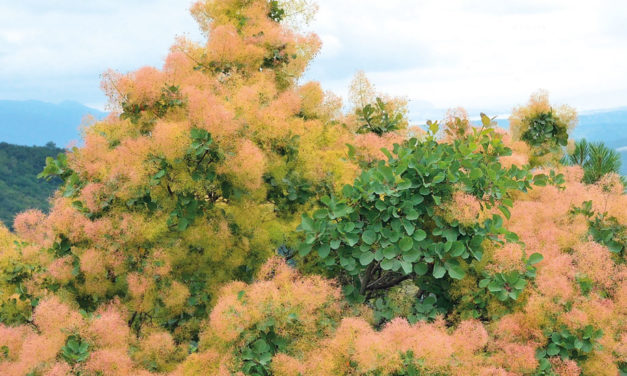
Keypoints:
pixel 56 50
pixel 485 54
pixel 481 54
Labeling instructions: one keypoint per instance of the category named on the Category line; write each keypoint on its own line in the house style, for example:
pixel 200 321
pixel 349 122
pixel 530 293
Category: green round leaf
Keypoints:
pixel 390 252
pixel 366 258
pixel 390 264
pixel 476 173
pixel 455 270
pixel 406 244
pixel 411 215
pixel 406 267
pixel 438 270
pixel 324 250
pixel 552 350
pixel 307 223
pixel 369 237
pixel 457 249
pixel 420 235
pixel 304 249
pixel 421 268
pixel 412 256
pixel 535 258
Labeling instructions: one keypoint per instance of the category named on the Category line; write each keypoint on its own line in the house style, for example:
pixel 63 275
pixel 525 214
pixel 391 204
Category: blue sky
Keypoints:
pixel 480 54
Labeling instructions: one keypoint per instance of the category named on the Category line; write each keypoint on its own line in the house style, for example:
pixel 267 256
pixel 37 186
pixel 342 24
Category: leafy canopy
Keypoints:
pixel 388 227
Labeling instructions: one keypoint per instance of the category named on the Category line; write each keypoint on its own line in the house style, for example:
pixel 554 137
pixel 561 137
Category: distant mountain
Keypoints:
pixel 609 126
pixel 19 187
pixel 37 123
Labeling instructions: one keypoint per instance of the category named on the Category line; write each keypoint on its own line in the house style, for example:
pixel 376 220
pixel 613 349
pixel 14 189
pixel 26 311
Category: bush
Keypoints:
pixel 544 128
pixel 393 224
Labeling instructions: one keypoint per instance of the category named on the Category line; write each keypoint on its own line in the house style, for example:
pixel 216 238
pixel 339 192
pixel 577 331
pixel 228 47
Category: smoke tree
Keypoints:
pixel 200 173
pixel 417 254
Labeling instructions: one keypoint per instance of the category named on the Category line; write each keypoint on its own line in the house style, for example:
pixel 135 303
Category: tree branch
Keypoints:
pixel 386 282
pixel 366 278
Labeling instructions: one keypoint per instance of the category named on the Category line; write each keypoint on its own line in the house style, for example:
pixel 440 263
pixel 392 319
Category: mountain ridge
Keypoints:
pixel 35 123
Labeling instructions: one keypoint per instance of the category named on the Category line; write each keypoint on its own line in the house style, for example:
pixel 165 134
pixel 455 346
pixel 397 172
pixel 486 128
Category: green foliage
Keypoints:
pixel 18 308
pixel 276 57
pixel 585 284
pixel 545 133
pixel 411 365
pixel 75 350
pixel 580 153
pixel 185 213
pixel 289 193
pixel 376 118
pixel 19 187
pixel 262 343
pixel 601 160
pixel 58 168
pixel 567 345
pixel 61 247
pixel 505 285
pixel 200 162
pixel 504 288
pixel 170 98
pixel 457 128
pixel 604 229
pixel 596 160
pixel 585 209
pixel 202 152
pixel 424 308
pixel 276 13
pixel 552 178
pixel 387 227
pixel 609 232
pixel 509 285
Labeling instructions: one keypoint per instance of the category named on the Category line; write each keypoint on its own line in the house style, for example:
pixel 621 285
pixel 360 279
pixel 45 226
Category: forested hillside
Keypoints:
pixel 20 189
pixel 230 219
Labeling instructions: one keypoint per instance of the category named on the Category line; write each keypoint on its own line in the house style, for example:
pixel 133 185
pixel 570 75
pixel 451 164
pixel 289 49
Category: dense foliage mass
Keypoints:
pixel 544 128
pixel 229 219
pixel 19 187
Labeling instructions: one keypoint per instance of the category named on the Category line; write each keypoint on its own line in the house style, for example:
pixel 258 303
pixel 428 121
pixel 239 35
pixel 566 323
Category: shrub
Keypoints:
pixel 391 225
pixel 542 127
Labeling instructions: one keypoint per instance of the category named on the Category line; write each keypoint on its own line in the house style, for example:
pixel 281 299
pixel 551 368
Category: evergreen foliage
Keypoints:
pixel 596 159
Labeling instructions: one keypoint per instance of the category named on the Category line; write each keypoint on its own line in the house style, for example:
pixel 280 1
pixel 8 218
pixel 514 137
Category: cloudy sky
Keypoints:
pixel 480 54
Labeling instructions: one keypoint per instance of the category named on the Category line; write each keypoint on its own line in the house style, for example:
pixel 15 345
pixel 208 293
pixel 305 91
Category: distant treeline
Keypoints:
pixel 20 189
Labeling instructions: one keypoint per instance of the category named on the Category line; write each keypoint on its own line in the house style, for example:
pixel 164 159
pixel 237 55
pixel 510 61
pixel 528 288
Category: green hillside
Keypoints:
pixel 19 187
